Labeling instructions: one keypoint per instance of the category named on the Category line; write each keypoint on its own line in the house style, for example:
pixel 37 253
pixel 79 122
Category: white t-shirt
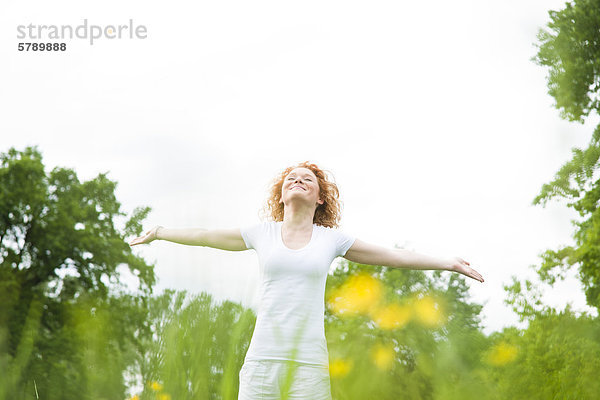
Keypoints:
pixel 291 309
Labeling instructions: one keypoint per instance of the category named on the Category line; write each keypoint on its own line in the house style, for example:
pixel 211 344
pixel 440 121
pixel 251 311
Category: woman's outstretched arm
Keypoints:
pixel 224 239
pixel 366 253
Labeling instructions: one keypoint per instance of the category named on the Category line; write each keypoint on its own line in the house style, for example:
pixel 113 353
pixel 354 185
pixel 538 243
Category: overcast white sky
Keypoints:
pixel 433 119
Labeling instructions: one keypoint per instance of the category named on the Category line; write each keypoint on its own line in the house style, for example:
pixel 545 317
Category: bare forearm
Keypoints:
pixel 187 236
pixel 366 253
pixel 412 260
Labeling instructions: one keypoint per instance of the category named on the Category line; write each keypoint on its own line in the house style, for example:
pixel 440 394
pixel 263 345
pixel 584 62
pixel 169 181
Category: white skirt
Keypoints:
pixel 278 380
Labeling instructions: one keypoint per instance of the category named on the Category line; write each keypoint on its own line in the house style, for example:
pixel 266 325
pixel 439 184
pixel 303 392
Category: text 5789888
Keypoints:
pixel 42 46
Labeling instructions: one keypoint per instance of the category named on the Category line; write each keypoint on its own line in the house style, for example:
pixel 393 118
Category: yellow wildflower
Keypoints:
pixel 340 367
pixel 383 356
pixel 429 312
pixel 502 353
pixel 392 316
pixel 358 294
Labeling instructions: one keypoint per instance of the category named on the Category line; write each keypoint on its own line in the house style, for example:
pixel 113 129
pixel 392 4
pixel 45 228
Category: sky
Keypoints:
pixel 431 116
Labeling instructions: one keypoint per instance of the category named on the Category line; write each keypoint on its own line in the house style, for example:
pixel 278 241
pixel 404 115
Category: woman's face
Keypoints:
pixel 301 184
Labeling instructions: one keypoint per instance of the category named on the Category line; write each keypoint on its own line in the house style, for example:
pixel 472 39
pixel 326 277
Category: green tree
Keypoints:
pixel 198 346
pixel 398 345
pixel 59 254
pixel 570 48
pixel 556 357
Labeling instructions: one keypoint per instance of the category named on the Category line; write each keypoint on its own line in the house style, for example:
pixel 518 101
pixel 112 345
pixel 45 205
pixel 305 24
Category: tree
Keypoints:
pixel 59 251
pixel 396 333
pixel 571 51
pixel 198 347
pixel 556 357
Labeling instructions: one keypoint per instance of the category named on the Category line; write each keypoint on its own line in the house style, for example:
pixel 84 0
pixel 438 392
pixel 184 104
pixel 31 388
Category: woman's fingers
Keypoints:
pixel 477 275
pixel 470 272
pixel 137 240
pixel 145 238
pixel 464 268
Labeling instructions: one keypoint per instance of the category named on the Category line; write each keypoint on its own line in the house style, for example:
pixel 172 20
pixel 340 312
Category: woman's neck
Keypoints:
pixel 298 219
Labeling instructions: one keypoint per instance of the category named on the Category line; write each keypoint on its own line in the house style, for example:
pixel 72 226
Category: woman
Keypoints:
pixel 288 357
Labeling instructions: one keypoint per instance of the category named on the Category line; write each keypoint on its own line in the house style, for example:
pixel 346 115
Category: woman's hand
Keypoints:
pixel 461 266
pixel 148 237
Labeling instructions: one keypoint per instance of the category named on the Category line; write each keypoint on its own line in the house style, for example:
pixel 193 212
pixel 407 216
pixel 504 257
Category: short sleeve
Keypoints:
pixel 252 234
pixel 343 242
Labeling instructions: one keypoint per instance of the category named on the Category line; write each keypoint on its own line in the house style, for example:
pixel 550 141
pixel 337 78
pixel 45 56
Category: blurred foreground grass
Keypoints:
pixel 384 344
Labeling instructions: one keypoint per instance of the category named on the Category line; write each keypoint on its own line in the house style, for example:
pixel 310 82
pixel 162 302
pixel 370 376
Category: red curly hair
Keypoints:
pixel 327 214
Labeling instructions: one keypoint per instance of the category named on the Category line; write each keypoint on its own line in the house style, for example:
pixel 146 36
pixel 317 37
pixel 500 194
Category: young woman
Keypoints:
pixel 288 357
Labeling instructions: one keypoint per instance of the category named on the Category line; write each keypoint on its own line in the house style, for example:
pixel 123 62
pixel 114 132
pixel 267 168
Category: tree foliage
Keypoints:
pixel 198 346
pixel 402 342
pixel 570 48
pixel 60 250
